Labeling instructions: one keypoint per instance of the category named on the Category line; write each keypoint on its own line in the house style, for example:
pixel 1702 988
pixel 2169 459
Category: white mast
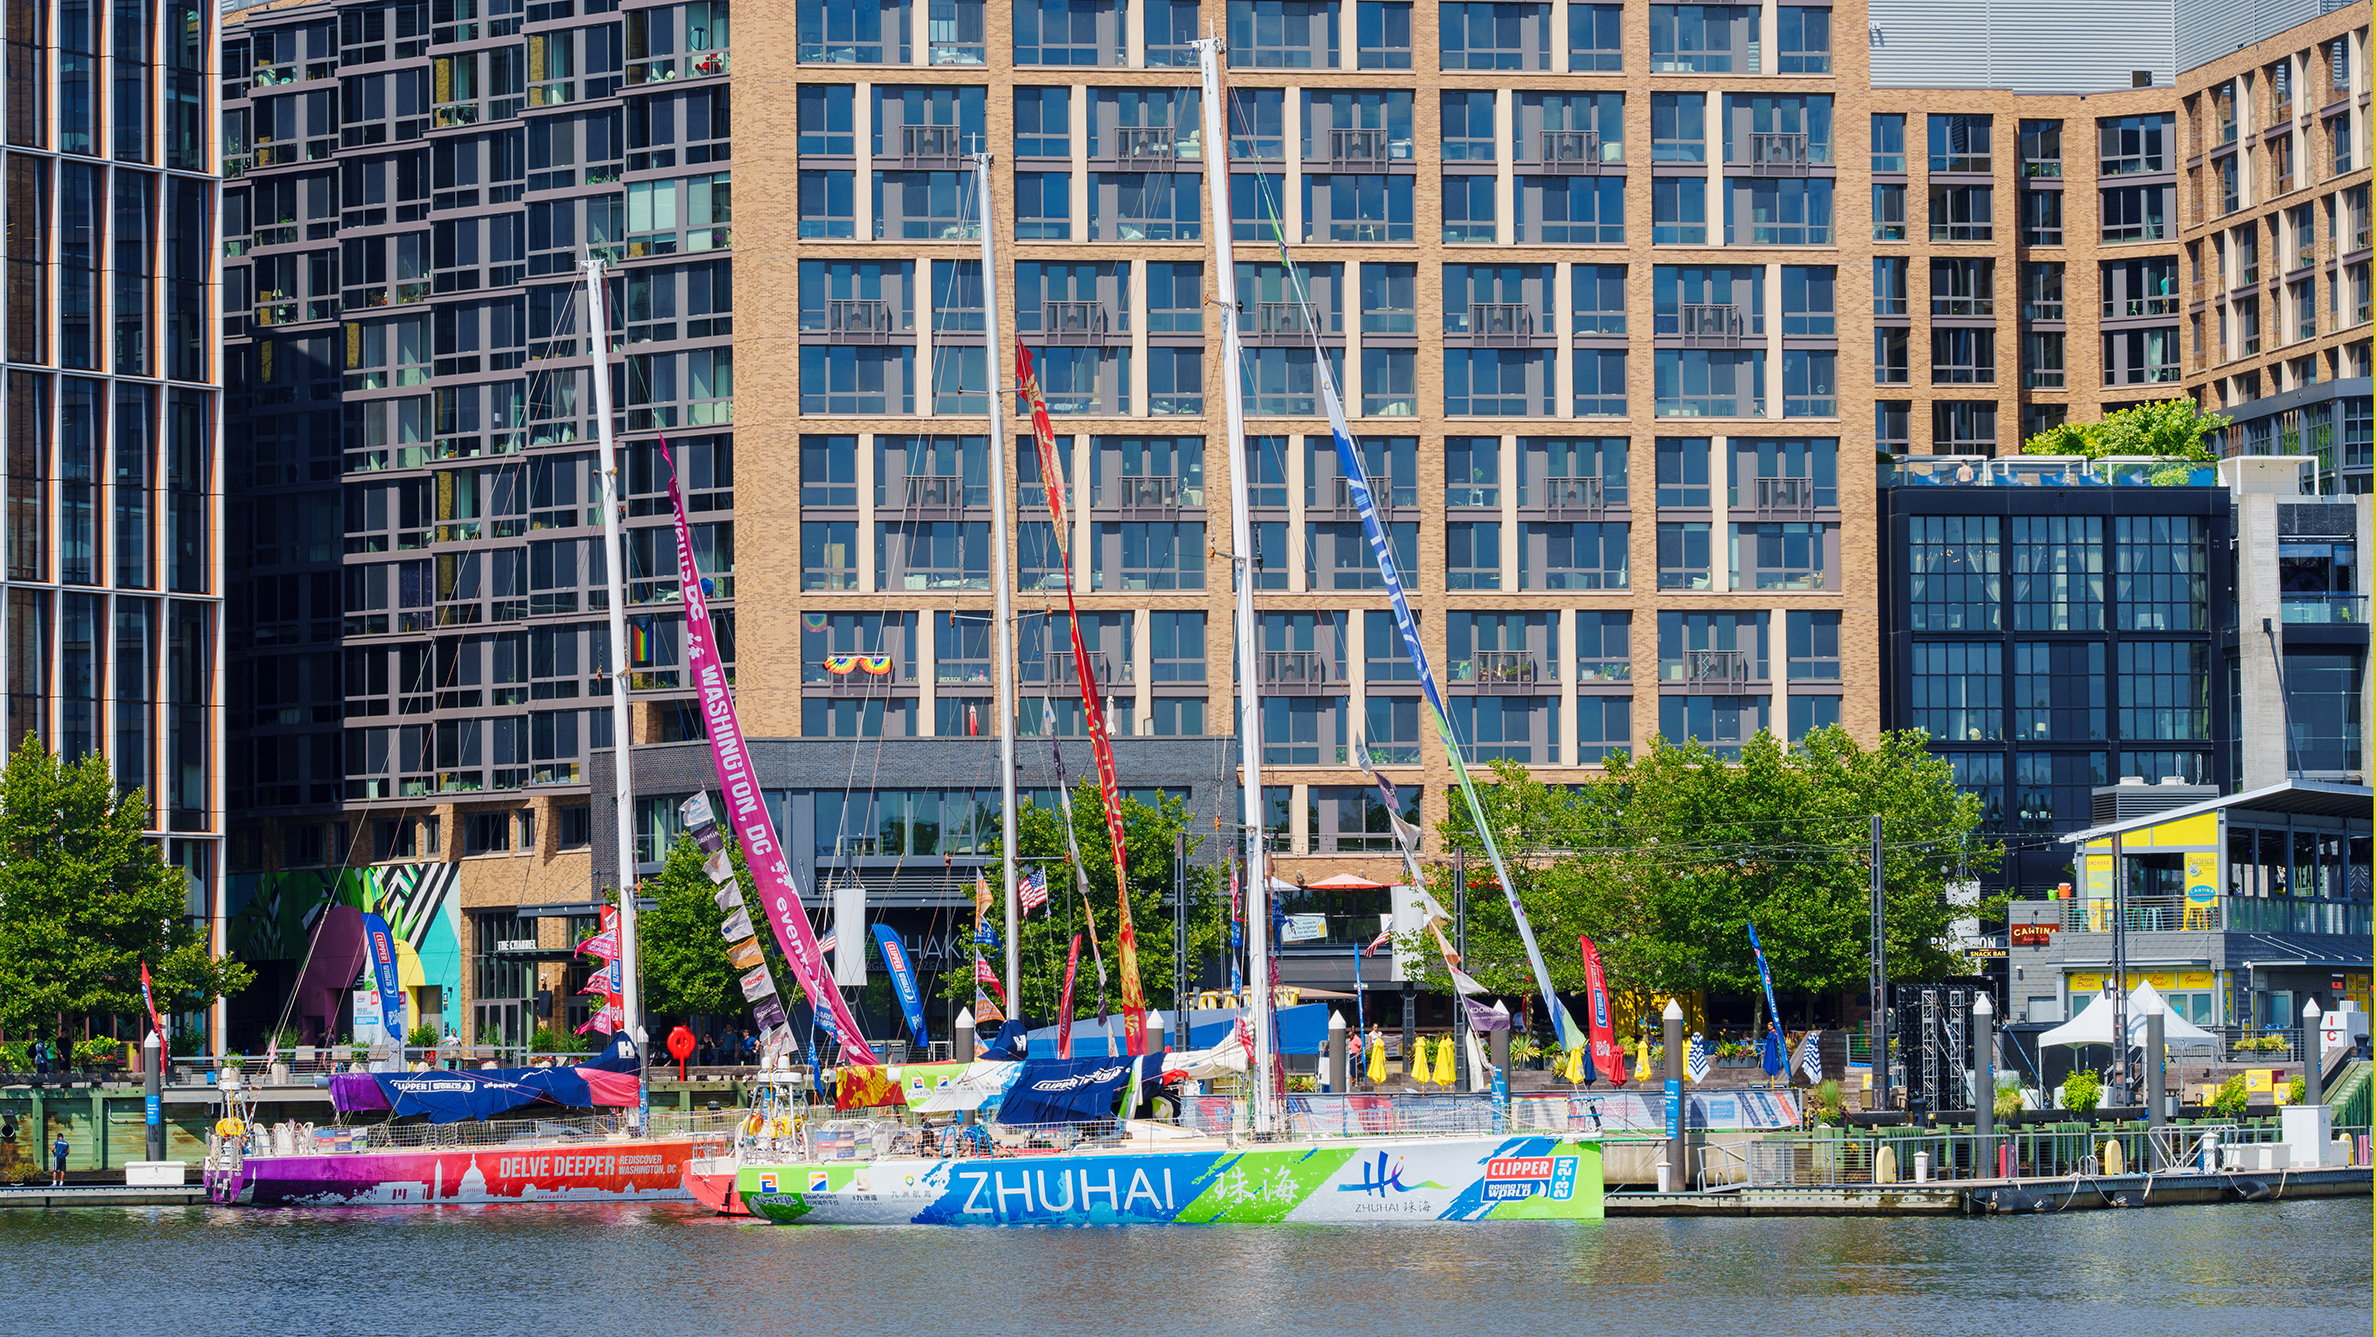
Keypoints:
pixel 1004 587
pixel 1249 658
pixel 615 572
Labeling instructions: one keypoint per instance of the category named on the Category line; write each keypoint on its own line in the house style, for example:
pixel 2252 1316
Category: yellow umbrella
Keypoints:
pixel 1445 1070
pixel 1377 1058
pixel 1575 1065
pixel 1641 1060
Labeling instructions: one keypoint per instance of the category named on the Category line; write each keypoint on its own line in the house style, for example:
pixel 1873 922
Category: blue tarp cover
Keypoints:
pixel 474 1093
pixel 1062 1090
pixel 1303 1029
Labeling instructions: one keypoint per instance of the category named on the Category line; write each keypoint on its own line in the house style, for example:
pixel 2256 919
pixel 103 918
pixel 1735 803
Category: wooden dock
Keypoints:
pixel 1987 1197
pixel 42 1196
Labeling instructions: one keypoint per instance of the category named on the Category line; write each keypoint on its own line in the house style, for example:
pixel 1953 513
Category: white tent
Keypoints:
pixel 2093 1025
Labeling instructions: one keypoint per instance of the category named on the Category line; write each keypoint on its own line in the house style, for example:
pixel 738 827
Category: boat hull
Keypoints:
pixel 1369 1180
pixel 710 1179
pixel 604 1171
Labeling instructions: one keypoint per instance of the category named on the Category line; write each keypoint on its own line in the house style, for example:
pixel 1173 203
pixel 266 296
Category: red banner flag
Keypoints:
pixel 983 974
pixel 1134 998
pixel 1607 1055
pixel 148 995
pixel 1072 963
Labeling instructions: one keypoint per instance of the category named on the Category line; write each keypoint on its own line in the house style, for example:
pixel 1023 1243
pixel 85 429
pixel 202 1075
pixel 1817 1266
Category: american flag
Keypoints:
pixel 1034 891
pixel 1696 1062
pixel 1385 935
pixel 825 944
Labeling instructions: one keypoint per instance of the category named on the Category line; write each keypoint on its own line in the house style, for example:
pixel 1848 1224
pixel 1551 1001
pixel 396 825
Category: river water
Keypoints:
pixel 2294 1268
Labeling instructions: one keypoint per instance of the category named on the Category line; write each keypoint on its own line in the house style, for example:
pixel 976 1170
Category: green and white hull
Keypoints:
pixel 1464 1178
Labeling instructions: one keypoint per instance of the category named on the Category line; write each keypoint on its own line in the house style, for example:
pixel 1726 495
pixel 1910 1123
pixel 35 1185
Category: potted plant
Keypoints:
pixel 2082 1091
pixel 2230 1098
pixel 2008 1103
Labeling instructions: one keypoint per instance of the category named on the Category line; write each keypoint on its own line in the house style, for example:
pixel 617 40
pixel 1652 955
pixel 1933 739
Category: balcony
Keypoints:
pixel 1358 148
pixel 2117 308
pixel 1777 154
pixel 860 675
pixel 1504 671
pixel 1573 498
pixel 1501 323
pixel 1711 325
pixel 1156 147
pixel 1157 496
pixel 859 320
pixel 1716 668
pixel 1280 323
pixel 1571 151
pixel 1059 674
pixel 930 146
pixel 933 496
pixel 2349 610
pixel 1786 498
pixel 1381 491
pixel 1300 672
pixel 1073 322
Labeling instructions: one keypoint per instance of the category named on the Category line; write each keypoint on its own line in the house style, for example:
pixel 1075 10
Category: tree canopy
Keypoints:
pixel 1666 858
pixel 685 970
pixel 2167 429
pixel 86 898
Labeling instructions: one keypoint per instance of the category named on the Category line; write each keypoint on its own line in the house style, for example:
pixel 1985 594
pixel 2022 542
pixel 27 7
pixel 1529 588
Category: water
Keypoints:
pixel 600 1271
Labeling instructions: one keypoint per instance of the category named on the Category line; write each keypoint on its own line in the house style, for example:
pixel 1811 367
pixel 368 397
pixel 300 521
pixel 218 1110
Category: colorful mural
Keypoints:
pixel 273 917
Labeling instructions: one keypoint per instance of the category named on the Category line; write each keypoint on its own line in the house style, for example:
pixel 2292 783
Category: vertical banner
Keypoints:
pixel 1072 963
pixel 1607 1055
pixel 1134 1000
pixel 903 980
pixel 382 945
pixel 746 811
pixel 1770 1044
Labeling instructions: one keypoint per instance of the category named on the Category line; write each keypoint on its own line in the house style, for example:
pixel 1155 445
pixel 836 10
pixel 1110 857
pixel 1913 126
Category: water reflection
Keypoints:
pixel 667 1269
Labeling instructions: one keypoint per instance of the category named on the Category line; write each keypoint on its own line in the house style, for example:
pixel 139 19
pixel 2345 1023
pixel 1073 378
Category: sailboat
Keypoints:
pixel 457 1155
pixel 1377 1160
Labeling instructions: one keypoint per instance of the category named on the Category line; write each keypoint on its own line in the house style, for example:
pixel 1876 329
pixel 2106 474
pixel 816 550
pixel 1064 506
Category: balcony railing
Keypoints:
pixel 2229 914
pixel 1786 496
pixel 1059 674
pixel 1571 150
pixel 1148 146
pixel 2331 609
pixel 933 494
pixel 1777 154
pixel 1281 323
pixel 1358 148
pixel 1073 322
pixel 1148 495
pixel 1501 322
pixel 1715 668
pixel 859 320
pixel 1301 671
pixel 2119 307
pixel 1954 305
pixel 930 146
pixel 1711 325
pixel 1504 671
pixel 1573 498
pixel 1381 491
pixel 860 680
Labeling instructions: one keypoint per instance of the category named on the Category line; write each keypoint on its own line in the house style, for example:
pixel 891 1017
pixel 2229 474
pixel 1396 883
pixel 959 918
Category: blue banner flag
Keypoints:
pixel 903 980
pixel 382 945
pixel 1770 1047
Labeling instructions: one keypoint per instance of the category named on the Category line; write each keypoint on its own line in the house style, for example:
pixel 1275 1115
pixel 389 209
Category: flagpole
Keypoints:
pixel 1002 586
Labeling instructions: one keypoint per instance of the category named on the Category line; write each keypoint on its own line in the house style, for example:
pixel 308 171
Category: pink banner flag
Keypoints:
pixel 1072 963
pixel 745 812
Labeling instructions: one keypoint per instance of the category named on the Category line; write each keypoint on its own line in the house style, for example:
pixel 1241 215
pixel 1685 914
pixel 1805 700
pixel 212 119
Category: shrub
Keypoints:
pixel 1829 1106
pixel 2082 1091
pixel 2230 1098
pixel 421 1037
pixel 2008 1096
pixel 545 1040
pixel 2296 1091
pixel 98 1051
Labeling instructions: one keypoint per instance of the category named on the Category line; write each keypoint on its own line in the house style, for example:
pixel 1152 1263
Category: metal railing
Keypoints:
pixel 1146 144
pixel 1849 1158
pixel 1571 150
pixel 860 320
pixel 1504 671
pixel 1059 673
pixel 1381 492
pixel 1773 154
pixel 1295 671
pixel 1280 322
pixel 1786 496
pixel 932 494
pixel 2347 609
pixel 1073 322
pixel 1358 148
pixel 930 145
pixel 1155 494
pixel 2231 914
pixel 1711 325
pixel 1500 322
pixel 1715 667
pixel 1573 497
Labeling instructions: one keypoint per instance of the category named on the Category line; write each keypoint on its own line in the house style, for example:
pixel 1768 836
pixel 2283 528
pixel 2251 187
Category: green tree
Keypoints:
pixel 85 899
pixel 685 970
pixel 1149 834
pixel 1666 858
pixel 2172 429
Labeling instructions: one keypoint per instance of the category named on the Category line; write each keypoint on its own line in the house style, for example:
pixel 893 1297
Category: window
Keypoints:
pixel 853 32
pixel 1682 471
pixel 1283 34
pixel 2041 149
pixel 2133 144
pixel 1784 211
pixel 1953 581
pixel 2058 691
pixel 1956 690
pixel 1709 383
pixel 1593 44
pixel 1889 211
pixel 1472 472
pixel 1804 40
pixel 1564 556
pixel 1552 470
pixel 1351 207
pixel 2042 360
pixel 1703 39
pixel 1721 724
pixel 1889 354
pixel 2164 690
pixel 1560 210
pixel 1781 556
pixel 1813 641
pixel 1889 286
pixel 2141 357
pixel 1499 382
pixel 1043 122
pixel 1494 35
pixel 1597 299
pixel 1703 301
pixel 2160 576
pixel 1068 32
pixel 1507 728
pixel 1678 127
pixel 1889 143
pixel 1963 356
pixel 1468 127
pixel 1962 213
pixel 1679 211
pixel 1604 646
pixel 1683 556
pixel 1963 427
pixel 1348 819
pixel 1960 143
pixel 1468 208
pixel 1382 34
pixel 2137 213
pixel 1170 26
pixel 1600 383
pixel 1472 555
pixel 1145 206
pixel 2058 573
pixel 2042 290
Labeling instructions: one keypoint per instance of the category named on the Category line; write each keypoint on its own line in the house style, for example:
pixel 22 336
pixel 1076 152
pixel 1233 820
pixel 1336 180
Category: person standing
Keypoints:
pixel 41 1058
pixel 58 1150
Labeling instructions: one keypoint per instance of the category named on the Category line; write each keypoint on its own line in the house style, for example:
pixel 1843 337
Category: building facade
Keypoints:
pixel 1593 278
pixel 110 412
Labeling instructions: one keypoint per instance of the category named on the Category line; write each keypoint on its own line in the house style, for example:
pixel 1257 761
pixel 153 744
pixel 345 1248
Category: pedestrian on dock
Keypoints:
pixel 58 1150
pixel 41 1058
